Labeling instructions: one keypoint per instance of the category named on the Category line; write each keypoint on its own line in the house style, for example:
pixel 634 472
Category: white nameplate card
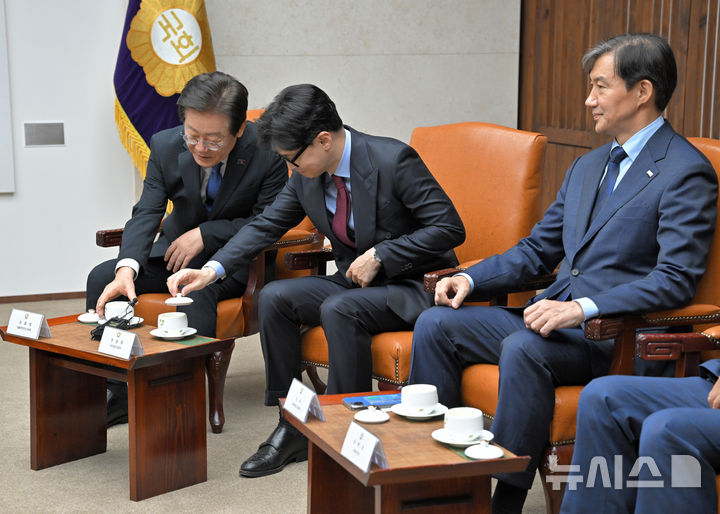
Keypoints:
pixel 28 324
pixel 361 448
pixel 120 343
pixel 301 400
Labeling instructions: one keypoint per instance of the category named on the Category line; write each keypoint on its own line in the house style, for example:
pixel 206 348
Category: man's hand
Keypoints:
pixel 364 269
pixel 183 249
pixel 123 284
pixel 714 396
pixel 190 280
pixel 452 291
pixel 547 315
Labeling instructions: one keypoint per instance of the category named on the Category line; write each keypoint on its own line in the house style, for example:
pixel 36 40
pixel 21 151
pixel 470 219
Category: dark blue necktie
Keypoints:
pixel 608 184
pixel 213 186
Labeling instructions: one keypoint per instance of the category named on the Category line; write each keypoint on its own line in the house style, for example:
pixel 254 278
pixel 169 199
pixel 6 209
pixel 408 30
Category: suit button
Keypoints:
pixel 575 272
pixel 388 235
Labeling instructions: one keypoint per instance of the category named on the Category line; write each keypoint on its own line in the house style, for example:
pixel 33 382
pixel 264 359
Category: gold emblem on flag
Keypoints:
pixel 171 41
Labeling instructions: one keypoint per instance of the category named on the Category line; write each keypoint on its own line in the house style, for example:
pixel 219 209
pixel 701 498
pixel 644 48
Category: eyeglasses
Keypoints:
pixel 297 155
pixel 210 145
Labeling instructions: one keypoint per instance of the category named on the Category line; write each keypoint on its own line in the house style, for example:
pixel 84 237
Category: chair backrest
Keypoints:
pixel 493 176
pixel 708 291
pixel 253 114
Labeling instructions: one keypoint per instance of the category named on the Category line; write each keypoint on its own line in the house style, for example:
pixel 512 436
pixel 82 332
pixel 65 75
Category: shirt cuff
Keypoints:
pixel 130 263
pixel 588 306
pixel 217 268
pixel 469 279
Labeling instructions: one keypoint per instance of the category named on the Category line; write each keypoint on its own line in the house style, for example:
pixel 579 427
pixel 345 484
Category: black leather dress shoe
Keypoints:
pixel 117 404
pixel 285 445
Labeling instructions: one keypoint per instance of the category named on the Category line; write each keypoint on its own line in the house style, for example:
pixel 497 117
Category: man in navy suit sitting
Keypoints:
pixel 672 423
pixel 630 230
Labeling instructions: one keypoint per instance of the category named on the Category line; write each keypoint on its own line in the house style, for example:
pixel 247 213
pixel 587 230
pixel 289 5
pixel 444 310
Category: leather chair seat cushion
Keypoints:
pixel 230 321
pixel 391 353
pixel 479 389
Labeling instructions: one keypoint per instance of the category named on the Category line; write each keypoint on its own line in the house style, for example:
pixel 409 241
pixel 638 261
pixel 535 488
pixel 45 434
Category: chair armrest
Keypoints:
pixel 295 237
pixel 108 238
pixel 308 259
pixel 431 279
pixel 623 329
pixel 607 328
pixel 683 348
pixel 670 347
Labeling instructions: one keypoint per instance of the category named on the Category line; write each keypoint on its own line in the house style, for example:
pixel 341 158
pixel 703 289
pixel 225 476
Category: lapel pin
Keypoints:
pixel 241 162
pixel 649 173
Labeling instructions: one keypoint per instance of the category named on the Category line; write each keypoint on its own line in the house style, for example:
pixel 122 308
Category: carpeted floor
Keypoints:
pixel 100 483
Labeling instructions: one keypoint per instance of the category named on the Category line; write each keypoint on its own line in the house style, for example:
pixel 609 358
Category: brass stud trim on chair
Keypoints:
pixel 681 319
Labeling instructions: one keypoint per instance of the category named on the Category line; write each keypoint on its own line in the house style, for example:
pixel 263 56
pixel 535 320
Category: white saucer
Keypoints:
pixel 175 335
pixel 438 410
pixel 371 416
pixel 484 451
pixel 179 300
pixel 88 317
pixel 134 321
pixel 441 435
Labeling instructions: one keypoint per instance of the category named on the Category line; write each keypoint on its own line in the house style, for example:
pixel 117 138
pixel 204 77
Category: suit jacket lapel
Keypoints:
pixel 314 190
pixel 191 177
pixel 635 180
pixel 363 180
pixel 237 163
pixel 586 199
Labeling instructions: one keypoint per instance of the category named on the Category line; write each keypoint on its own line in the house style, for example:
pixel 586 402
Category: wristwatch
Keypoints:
pixel 375 256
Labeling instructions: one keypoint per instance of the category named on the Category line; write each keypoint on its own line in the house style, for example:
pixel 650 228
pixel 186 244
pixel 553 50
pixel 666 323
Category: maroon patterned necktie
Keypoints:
pixel 342 212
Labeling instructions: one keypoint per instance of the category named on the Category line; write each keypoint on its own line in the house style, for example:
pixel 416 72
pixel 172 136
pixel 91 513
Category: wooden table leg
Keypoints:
pixel 67 412
pixel 166 415
pixel 443 496
pixel 331 489
pixel 217 367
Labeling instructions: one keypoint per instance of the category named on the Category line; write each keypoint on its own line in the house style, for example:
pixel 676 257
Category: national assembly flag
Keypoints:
pixel 164 44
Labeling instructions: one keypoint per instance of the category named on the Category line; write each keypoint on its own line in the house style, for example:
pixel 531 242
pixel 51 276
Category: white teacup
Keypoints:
pixel 419 399
pixel 119 309
pixel 464 423
pixel 172 322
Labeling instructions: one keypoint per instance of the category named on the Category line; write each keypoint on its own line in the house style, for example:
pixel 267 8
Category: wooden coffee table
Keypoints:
pixel 421 474
pixel 166 403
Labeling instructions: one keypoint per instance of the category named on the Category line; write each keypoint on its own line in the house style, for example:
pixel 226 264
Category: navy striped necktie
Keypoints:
pixel 608 184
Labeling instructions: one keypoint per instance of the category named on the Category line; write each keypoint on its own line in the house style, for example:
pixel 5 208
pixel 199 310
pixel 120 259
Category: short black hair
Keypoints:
pixel 637 57
pixel 296 116
pixel 215 92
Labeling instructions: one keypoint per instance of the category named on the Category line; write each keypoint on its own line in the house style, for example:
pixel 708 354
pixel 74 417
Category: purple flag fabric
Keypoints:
pixel 164 44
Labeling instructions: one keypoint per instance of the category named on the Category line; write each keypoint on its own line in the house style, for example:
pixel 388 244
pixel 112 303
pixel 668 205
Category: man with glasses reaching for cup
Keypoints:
pixel 217 178
pixel 388 221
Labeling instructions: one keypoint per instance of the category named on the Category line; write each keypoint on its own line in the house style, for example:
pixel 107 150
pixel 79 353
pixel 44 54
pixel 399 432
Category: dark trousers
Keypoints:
pixel 349 316
pixel 445 341
pixel 649 417
pixel 202 313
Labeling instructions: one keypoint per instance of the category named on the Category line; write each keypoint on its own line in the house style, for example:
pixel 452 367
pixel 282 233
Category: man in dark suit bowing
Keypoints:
pixel 389 222
pixel 630 230
pixel 217 178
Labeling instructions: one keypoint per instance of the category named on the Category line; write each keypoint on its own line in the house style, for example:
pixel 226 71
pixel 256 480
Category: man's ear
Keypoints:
pixel 645 91
pixel 241 130
pixel 325 139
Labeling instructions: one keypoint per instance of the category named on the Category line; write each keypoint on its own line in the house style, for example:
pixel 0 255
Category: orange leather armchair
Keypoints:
pixel 480 166
pixel 480 381
pixel 236 317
